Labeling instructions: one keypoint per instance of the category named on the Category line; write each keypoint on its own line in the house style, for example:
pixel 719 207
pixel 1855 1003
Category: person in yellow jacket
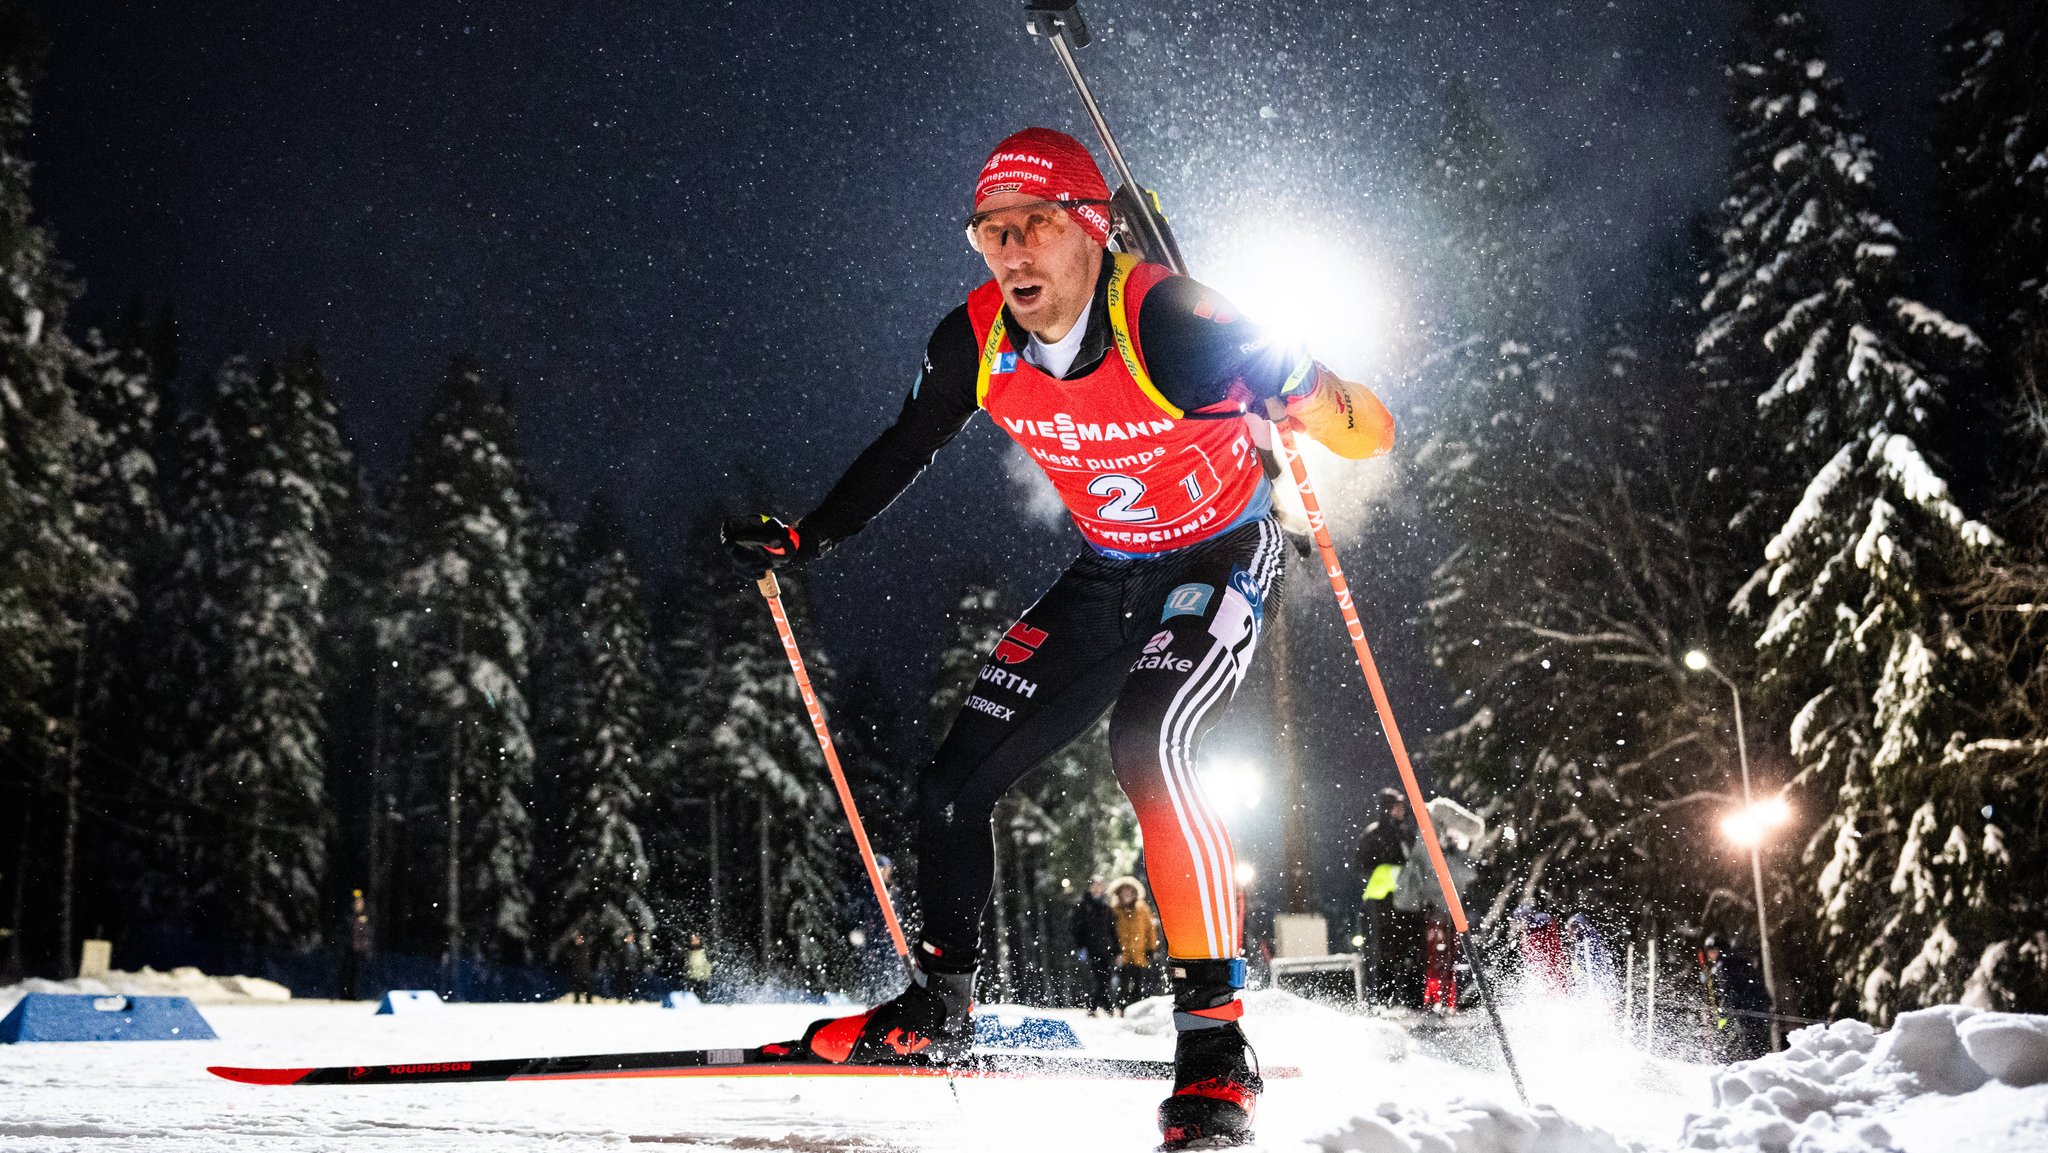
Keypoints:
pixel 1137 931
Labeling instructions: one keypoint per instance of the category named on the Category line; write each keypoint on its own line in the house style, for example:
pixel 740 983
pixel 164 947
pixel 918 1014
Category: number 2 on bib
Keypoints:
pixel 1123 492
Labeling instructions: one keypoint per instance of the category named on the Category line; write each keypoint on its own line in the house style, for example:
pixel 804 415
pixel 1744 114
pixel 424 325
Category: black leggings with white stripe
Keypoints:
pixel 1166 641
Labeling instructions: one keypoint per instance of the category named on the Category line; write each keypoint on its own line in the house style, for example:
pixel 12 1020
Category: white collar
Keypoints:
pixel 1057 357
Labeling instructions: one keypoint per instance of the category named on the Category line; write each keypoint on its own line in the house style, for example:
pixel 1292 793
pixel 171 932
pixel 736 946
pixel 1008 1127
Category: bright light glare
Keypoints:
pixel 1696 661
pixel 1232 786
pixel 1245 873
pixel 1749 826
pixel 1315 289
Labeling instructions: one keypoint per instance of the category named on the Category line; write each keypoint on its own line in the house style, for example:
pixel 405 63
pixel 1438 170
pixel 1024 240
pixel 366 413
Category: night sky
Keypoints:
pixel 704 243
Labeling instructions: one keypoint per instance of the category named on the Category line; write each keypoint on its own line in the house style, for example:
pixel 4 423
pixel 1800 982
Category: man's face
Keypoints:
pixel 1046 284
pixel 1095 888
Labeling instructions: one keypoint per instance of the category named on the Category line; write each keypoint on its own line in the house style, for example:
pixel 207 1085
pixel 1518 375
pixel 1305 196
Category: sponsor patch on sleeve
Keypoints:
pixel 1189 600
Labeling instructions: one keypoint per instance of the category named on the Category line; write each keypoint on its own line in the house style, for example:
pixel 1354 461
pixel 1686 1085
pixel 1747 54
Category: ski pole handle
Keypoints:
pixel 1318 526
pixel 772 593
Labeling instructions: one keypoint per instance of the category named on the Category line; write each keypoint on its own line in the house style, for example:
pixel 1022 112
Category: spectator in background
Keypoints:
pixel 1545 967
pixel 697 968
pixel 626 977
pixel 1436 953
pixel 1740 1001
pixel 582 967
pixel 1095 945
pixel 356 957
pixel 1392 937
pixel 1137 938
pixel 1419 890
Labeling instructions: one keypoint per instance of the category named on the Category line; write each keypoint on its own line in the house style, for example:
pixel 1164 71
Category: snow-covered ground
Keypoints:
pixel 1367 1086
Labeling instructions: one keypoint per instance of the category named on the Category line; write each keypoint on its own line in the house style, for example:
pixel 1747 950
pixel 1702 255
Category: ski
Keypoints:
pixel 766 1061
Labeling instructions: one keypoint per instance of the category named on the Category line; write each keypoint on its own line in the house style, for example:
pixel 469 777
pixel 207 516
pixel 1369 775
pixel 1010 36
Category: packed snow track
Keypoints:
pixel 1369 1086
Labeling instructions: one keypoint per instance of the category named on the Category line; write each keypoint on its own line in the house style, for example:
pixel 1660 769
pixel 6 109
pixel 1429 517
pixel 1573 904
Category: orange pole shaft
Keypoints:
pixel 772 593
pixel 1416 803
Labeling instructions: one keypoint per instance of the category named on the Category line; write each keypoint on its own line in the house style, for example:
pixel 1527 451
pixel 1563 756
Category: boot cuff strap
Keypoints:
pixel 1186 1020
pixel 946 959
pixel 1229 973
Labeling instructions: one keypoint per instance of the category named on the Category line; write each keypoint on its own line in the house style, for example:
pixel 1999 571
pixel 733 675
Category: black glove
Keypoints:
pixel 759 543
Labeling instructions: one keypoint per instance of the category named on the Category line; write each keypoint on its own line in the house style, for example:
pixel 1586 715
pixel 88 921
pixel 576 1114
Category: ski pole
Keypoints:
pixel 772 593
pixel 1425 827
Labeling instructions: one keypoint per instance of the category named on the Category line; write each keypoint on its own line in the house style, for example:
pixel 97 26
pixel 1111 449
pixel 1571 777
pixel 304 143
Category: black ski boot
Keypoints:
pixel 1216 1081
pixel 929 1023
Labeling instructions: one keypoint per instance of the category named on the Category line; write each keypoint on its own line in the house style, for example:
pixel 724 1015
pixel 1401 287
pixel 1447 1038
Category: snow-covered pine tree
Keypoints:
pixel 1994 147
pixel 2008 603
pixel 118 395
pixel 47 557
pixel 554 674
pixel 604 873
pixel 257 772
pixel 690 833
pixel 184 640
pixel 458 637
pixel 119 391
pixel 1806 313
pixel 358 723
pixel 761 742
pixel 1994 153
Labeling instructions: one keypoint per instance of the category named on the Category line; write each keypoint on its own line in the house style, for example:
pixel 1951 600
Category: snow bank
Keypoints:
pixel 188 982
pixel 1470 1125
pixel 1943 1078
pixel 2012 1047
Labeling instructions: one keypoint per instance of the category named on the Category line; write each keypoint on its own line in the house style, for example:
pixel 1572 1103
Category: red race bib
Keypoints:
pixel 1137 474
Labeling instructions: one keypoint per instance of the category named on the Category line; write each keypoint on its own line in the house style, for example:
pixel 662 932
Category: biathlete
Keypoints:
pixel 1128 385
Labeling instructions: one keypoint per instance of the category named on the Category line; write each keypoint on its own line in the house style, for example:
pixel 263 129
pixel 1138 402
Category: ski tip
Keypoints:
pixel 259 1076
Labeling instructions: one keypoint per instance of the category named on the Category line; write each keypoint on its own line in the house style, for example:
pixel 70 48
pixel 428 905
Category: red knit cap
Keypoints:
pixel 1049 164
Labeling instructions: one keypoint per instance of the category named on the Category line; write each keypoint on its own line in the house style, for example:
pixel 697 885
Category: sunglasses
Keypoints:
pixel 1028 224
